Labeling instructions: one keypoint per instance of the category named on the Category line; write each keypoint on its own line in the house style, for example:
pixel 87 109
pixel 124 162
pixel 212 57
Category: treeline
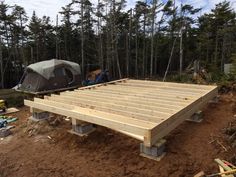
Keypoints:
pixel 139 42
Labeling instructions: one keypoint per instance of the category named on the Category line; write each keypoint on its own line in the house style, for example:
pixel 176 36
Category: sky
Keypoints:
pixel 52 7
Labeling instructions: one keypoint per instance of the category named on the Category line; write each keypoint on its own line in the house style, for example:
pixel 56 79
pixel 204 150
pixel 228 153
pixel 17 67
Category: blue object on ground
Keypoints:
pixel 3 123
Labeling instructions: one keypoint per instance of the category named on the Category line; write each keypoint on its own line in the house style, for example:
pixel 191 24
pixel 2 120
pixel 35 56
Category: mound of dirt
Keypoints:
pixel 33 128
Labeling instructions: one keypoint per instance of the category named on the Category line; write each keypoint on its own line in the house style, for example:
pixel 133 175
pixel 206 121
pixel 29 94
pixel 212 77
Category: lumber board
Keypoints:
pixel 144 110
pixel 168 90
pixel 143 94
pixel 112 121
pixel 128 103
pixel 207 87
pixel 147 93
pixel 164 86
pixel 9 111
pixel 154 112
pixel 103 84
pixel 89 111
pixel 141 100
pixel 138 137
pixel 135 113
pixel 170 124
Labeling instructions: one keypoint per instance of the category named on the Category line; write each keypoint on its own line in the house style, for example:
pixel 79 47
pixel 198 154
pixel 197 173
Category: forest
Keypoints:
pixel 142 42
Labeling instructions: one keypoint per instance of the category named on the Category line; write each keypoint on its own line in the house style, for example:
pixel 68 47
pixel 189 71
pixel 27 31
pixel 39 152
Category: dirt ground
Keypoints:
pixel 43 150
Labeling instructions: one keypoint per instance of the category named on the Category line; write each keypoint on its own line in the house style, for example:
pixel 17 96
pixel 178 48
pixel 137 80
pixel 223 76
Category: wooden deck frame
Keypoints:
pixel 145 110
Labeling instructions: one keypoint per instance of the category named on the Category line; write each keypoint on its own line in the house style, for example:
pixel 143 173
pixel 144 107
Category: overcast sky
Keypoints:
pixel 52 7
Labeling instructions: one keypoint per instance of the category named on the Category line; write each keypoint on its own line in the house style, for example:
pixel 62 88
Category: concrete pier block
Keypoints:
pixel 81 128
pixel 38 115
pixel 156 152
pixel 196 117
pixel 215 100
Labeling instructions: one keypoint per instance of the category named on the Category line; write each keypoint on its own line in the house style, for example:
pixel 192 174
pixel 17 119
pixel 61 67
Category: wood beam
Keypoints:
pixel 108 120
pixel 171 123
pixel 95 96
pixel 135 113
pixel 128 103
pixel 171 84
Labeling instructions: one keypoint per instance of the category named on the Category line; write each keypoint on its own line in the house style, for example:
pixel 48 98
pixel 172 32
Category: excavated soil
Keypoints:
pixel 48 150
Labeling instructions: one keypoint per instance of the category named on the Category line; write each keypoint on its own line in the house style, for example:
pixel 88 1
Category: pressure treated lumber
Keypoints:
pixel 144 110
pixel 97 117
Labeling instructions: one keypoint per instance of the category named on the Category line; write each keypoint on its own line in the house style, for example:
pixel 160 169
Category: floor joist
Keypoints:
pixel 145 110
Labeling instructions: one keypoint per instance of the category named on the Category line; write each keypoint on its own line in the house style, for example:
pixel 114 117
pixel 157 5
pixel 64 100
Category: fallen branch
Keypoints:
pixel 222 145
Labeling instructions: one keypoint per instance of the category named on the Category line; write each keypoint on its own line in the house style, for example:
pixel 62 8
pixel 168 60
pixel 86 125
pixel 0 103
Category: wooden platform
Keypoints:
pixel 145 110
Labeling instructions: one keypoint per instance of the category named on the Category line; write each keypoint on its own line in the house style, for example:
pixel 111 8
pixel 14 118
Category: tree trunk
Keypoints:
pixel 57 38
pixel 216 47
pixel 22 43
pixel 100 47
pixel 181 44
pixel 169 62
pixel 144 45
pixel 127 53
pixel 1 65
pixel 152 36
pixel 222 55
pixel 136 51
pixel 82 37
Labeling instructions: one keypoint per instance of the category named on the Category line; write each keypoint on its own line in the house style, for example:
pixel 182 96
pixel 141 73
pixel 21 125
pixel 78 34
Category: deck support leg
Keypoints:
pixel 155 152
pixel 81 128
pixel 196 117
pixel 38 115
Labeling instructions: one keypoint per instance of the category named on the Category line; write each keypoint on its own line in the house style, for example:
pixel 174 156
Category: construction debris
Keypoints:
pixel 10 111
pixel 4 128
pixel 230 131
pixel 226 169
pixel 200 174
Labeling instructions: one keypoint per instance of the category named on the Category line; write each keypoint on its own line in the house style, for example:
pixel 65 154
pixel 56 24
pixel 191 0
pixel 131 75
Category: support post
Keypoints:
pixel 155 152
pixel 81 128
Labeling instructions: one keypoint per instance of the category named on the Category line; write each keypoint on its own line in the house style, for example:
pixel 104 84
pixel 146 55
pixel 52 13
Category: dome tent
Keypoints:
pixel 50 75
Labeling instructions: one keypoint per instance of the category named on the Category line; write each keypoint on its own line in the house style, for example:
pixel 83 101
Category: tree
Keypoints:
pixel 216 32
pixel 66 28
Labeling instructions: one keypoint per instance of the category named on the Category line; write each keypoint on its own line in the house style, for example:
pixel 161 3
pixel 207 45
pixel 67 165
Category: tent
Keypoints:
pixel 50 75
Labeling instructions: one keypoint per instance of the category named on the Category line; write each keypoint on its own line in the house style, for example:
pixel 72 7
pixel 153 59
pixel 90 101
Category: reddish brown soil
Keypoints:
pixel 190 148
